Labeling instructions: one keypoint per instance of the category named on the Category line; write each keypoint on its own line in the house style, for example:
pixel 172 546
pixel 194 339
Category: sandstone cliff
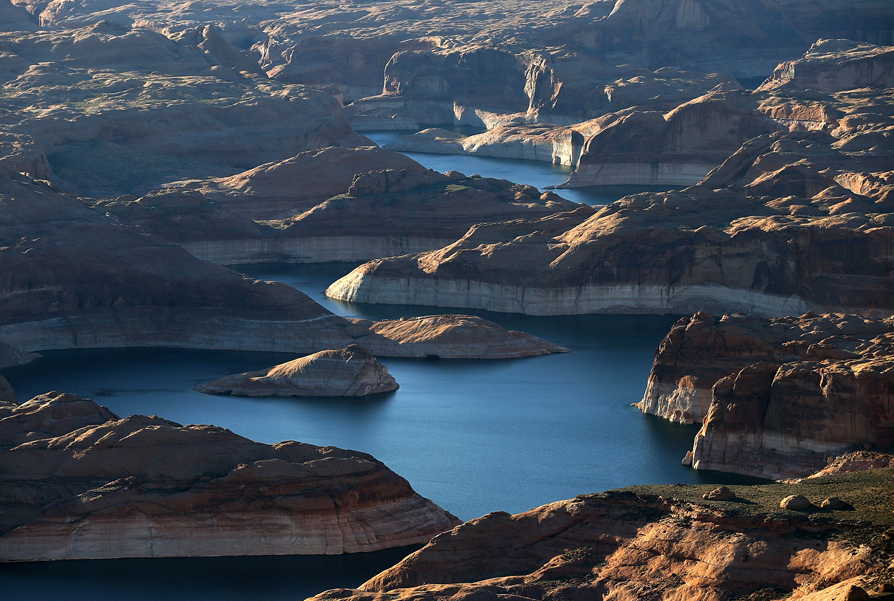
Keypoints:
pixel 88 485
pixel 700 350
pixel 658 543
pixel 649 253
pixel 81 279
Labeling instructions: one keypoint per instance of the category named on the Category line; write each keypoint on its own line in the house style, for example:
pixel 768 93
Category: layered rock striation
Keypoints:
pixel 82 279
pixel 349 372
pixel 382 212
pixel 649 253
pixel 777 397
pixel 81 483
pixel 702 349
pixel 656 543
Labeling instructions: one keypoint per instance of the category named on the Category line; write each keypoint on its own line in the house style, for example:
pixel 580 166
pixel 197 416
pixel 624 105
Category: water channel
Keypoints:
pixel 474 436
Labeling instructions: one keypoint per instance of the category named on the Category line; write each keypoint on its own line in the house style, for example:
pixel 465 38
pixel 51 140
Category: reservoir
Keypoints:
pixel 473 436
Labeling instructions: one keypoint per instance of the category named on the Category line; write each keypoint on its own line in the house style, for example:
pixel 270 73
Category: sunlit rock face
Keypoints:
pixel 349 372
pixel 702 349
pixel 645 543
pixel 80 483
pixel 647 253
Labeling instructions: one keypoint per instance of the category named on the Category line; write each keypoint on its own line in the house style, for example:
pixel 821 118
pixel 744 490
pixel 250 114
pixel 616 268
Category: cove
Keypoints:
pixel 533 173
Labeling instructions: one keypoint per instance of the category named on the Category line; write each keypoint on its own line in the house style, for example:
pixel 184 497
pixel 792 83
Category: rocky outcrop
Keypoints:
pixel 700 350
pixel 286 188
pixel 784 421
pixel 856 461
pixel 676 148
pixel 118 109
pixel 648 253
pixel 89 485
pixel 86 280
pixel 348 372
pixel 380 213
pixel 655 543
pixel 835 66
pixel 451 337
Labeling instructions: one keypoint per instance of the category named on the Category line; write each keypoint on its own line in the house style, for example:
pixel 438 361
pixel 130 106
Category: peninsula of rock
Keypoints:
pixel 80 483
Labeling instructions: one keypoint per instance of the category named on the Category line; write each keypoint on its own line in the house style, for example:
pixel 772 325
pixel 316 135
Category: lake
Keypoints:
pixel 474 436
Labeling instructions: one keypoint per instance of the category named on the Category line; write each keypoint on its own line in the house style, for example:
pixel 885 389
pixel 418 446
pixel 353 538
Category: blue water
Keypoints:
pixel 474 436
pixel 533 173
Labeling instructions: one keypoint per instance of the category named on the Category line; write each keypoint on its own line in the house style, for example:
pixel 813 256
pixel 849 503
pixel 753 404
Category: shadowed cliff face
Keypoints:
pixel 656 543
pixel 80 483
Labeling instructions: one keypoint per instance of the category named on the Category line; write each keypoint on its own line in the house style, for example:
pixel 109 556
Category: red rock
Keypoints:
pixel 91 486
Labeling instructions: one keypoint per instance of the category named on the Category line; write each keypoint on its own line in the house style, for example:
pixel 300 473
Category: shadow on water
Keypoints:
pixel 188 579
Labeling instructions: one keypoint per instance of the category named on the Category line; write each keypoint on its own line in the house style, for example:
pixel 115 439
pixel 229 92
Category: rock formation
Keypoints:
pixel 656 543
pixel 351 371
pixel 700 350
pixel 451 337
pixel 118 109
pixel 80 483
pixel 777 396
pixel 383 212
pixel 86 280
pixel 290 187
pixel 648 253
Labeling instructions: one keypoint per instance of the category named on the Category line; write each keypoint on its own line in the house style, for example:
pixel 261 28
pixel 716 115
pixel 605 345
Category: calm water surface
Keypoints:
pixel 474 436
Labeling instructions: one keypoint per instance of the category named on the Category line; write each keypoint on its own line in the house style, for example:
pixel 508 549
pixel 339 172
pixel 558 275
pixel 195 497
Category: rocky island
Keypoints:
pixel 350 371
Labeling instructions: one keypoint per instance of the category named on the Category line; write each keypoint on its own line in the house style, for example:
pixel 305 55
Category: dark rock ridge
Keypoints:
pixel 381 212
pixel 657 543
pixel 348 372
pixel 78 482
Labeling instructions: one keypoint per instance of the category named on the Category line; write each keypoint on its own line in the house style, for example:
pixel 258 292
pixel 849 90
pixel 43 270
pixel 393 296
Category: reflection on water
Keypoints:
pixel 533 173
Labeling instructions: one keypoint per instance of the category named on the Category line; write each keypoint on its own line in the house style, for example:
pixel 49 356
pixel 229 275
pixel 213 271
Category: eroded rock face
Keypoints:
pixel 835 66
pixel 81 279
pixel 648 253
pixel 624 545
pixel 382 212
pixel 88 485
pixel 783 422
pixel 348 372
pixel 118 109
pixel 700 350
